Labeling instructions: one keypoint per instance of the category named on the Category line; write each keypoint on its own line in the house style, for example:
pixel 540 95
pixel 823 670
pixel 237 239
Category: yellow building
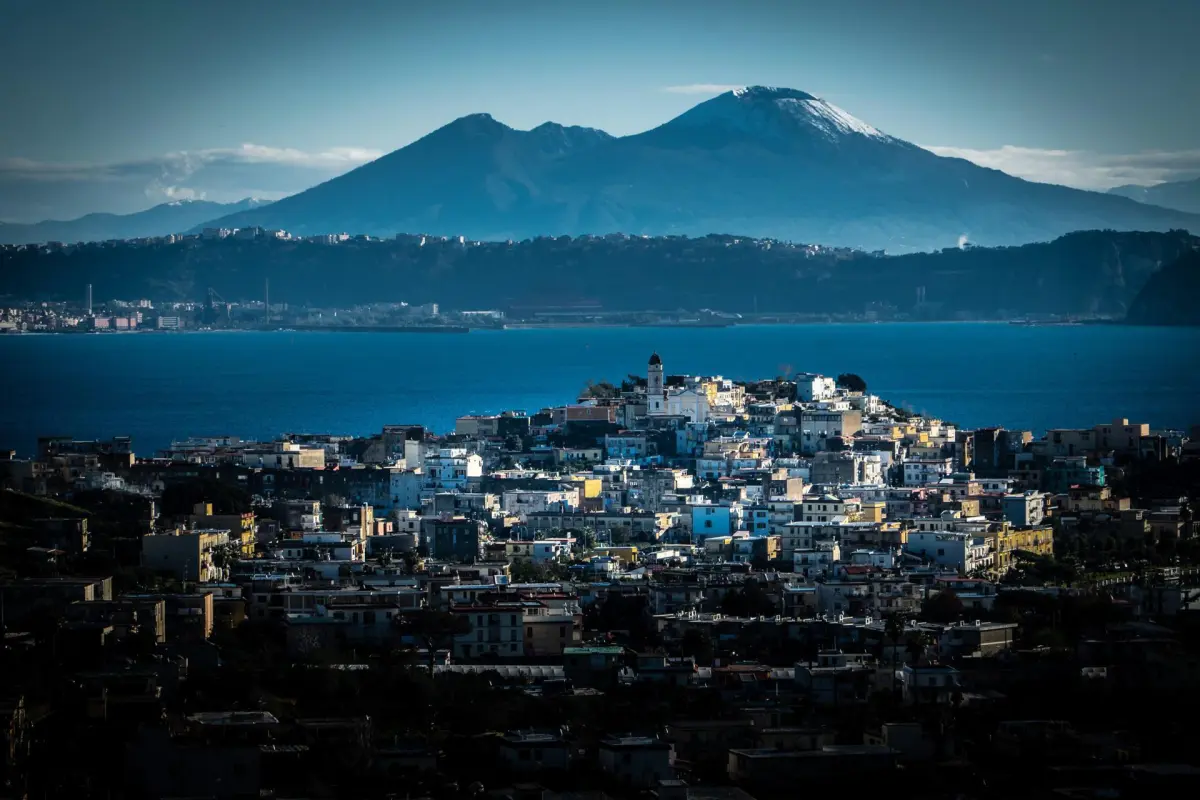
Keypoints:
pixel 242 528
pixel 1039 541
pixel 589 488
pixel 626 555
pixel 872 511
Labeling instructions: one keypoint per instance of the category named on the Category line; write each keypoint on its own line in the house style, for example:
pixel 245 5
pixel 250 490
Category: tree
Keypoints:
pixel 697 644
pixel 601 391
pixel 523 571
pixel 851 382
pixel 916 643
pixel 633 382
pixel 943 607
pixel 585 538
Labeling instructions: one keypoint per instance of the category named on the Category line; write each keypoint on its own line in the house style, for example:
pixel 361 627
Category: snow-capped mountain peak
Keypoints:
pixel 780 114
pixel 832 121
pixel 771 93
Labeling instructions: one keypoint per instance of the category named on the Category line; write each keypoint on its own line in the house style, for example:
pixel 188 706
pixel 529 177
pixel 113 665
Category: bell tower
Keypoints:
pixel 656 393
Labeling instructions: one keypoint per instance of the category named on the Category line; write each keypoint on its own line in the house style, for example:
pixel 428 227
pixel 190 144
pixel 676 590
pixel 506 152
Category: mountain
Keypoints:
pixel 1179 195
pixel 1171 296
pixel 1084 273
pixel 764 162
pixel 174 217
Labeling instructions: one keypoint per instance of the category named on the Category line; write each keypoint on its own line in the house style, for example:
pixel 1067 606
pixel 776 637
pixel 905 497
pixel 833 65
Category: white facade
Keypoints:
pixel 812 388
pixel 656 393
pixel 814 562
pixel 1024 510
pixel 522 503
pixel 405 489
pixel 880 559
pixel 964 552
pixel 689 403
pixel 452 468
pixel 828 509
pixel 926 471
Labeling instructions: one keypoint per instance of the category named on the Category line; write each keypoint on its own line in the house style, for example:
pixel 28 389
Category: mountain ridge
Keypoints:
pixel 176 216
pixel 777 163
pixel 1179 195
pixel 1087 273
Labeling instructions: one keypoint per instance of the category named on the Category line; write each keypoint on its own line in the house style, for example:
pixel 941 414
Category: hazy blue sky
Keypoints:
pixel 118 105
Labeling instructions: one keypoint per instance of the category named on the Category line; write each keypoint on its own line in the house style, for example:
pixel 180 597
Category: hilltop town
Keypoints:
pixel 672 586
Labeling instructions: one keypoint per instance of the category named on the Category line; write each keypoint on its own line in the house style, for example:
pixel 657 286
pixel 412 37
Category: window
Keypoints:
pixel 512 648
pixel 529 632
pixel 512 620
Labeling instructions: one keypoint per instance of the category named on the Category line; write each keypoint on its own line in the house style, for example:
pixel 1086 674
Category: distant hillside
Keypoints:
pixel 1092 272
pixel 1171 296
pixel 759 161
pixel 1180 195
pixel 176 217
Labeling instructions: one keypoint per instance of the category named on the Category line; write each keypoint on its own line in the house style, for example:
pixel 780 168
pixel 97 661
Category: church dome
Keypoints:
pixel 655 361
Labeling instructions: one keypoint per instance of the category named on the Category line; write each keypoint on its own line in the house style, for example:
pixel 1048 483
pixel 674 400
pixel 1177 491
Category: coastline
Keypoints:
pixel 590 325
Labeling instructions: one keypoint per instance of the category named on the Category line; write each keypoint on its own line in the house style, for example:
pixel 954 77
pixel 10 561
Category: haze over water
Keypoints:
pixel 163 387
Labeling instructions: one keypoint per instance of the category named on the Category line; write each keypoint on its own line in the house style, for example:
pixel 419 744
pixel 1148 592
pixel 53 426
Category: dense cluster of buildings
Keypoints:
pixel 795 548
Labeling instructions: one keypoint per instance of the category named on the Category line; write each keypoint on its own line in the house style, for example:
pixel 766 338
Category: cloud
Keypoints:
pixel 702 88
pixel 33 190
pixel 1083 169
pixel 182 193
pixel 187 162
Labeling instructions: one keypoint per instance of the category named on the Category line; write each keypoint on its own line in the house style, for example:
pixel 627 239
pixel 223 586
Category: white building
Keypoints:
pixel 1024 510
pixel 323 546
pixel 965 552
pixel 452 468
pixel 812 388
pixel 816 561
pixel 689 403
pixel 827 508
pixel 922 472
pixel 521 503
pixel 405 488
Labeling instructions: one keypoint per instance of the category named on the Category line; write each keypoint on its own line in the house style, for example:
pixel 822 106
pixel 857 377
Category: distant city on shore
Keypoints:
pixel 258 279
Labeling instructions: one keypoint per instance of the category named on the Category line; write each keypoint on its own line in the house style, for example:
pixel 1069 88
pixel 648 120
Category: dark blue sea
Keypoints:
pixel 157 387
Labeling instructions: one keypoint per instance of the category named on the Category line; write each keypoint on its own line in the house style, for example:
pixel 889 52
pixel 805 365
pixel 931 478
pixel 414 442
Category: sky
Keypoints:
pixel 117 106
